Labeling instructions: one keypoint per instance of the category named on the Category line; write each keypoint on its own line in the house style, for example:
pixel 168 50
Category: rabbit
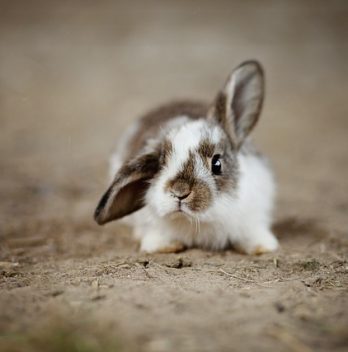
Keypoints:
pixel 190 176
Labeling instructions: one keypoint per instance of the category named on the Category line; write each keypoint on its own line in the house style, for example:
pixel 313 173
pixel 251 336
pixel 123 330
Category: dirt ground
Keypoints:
pixel 72 76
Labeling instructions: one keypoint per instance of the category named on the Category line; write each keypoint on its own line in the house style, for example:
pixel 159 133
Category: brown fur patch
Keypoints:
pixel 228 179
pixel 180 188
pixel 201 196
pixel 167 147
pixel 167 150
pixel 185 181
pixel 151 123
pixel 220 108
pixel 186 175
pixel 229 175
pixel 206 150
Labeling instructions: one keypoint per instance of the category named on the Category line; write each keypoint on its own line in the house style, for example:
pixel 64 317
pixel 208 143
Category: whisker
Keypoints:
pixel 199 225
pixel 194 221
pixel 189 217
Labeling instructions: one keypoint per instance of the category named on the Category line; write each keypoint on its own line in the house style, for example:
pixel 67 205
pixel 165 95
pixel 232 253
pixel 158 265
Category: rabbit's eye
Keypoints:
pixel 216 165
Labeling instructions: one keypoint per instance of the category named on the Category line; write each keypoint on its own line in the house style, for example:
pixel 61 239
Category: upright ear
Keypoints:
pixel 127 191
pixel 238 105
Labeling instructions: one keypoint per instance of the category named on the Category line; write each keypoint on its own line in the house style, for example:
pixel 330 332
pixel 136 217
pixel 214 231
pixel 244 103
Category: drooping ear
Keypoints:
pixel 126 193
pixel 238 105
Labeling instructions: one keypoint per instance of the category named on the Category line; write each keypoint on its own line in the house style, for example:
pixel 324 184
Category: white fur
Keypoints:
pixel 185 139
pixel 241 217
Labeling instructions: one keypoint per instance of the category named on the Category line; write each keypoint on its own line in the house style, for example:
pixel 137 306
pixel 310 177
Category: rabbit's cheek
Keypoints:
pixel 201 197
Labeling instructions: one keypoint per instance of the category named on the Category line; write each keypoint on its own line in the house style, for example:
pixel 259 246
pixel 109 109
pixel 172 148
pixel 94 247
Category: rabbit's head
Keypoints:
pixel 189 167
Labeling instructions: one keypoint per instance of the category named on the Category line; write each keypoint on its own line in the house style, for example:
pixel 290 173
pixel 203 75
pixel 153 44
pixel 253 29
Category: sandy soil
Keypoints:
pixel 72 76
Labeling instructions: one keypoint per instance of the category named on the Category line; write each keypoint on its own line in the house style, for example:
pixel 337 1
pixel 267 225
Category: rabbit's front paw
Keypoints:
pixel 154 242
pixel 174 247
pixel 260 242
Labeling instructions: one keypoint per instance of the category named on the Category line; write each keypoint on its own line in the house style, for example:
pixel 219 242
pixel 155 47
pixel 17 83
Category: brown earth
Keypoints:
pixel 72 76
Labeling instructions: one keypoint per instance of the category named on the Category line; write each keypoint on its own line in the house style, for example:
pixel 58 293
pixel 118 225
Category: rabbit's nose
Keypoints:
pixel 181 196
pixel 180 191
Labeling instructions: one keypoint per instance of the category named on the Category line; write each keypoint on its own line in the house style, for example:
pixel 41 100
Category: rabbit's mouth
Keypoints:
pixel 185 208
pixel 179 213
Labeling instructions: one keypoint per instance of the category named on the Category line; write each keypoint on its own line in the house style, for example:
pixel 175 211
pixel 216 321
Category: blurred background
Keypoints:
pixel 75 74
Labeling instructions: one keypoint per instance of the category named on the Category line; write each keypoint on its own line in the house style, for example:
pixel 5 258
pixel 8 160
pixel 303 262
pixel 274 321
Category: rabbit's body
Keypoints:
pixel 189 176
